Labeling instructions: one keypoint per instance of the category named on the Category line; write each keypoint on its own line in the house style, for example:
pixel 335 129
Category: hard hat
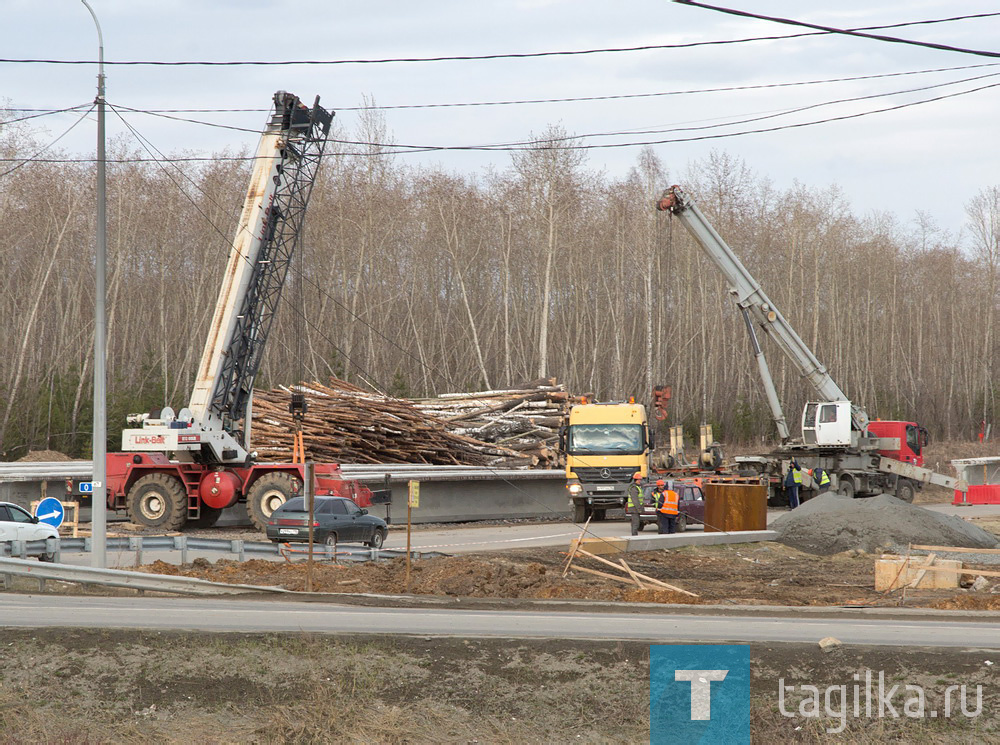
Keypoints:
pixel 637 475
pixel 661 482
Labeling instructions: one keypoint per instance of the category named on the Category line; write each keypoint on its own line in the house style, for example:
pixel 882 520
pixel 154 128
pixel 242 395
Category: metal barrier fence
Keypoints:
pixel 140 581
pixel 185 544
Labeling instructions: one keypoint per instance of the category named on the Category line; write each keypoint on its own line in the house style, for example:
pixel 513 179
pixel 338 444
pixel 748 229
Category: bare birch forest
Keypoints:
pixel 421 281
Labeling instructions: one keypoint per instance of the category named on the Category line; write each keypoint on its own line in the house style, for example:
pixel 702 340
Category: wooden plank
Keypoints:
pixel 615 577
pixel 633 574
pixel 652 580
pixel 957 549
pixel 922 569
pixel 962 570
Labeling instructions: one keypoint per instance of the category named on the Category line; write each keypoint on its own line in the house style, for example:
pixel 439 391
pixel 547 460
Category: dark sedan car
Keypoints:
pixel 335 520
pixel 691 504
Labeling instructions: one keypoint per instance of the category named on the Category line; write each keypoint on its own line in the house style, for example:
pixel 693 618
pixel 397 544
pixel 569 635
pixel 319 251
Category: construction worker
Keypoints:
pixel 635 502
pixel 667 507
pixel 793 480
pixel 821 479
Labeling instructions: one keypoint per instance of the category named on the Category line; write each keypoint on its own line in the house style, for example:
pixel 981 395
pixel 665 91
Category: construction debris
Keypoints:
pixel 346 424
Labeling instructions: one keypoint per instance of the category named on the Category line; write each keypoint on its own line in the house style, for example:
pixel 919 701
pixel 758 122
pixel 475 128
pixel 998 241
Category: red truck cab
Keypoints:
pixel 912 440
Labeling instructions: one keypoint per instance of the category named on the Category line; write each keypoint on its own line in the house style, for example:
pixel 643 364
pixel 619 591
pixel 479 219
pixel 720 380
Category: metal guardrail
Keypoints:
pixel 80 470
pixel 141 581
pixel 185 544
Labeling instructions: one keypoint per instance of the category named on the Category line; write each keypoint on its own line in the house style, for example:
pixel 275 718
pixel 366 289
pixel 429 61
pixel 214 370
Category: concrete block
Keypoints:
pixel 601 546
pixel 892 574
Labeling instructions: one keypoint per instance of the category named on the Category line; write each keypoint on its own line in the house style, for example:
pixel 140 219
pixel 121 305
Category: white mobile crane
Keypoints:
pixel 192 464
pixel 862 457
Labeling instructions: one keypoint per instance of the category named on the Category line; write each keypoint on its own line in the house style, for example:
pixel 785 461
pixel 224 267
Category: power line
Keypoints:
pixel 404 149
pixel 34 158
pixel 772 115
pixel 850 32
pixel 575 99
pixel 41 113
pixel 821 30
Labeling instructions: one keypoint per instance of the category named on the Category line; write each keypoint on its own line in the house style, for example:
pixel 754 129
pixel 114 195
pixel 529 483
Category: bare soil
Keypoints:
pixel 750 574
pixel 93 686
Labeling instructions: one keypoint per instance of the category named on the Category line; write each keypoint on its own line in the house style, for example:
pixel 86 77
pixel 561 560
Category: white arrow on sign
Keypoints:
pixel 54 513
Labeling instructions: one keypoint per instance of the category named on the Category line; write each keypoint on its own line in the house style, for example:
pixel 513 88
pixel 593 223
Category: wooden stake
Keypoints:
pixel 576 546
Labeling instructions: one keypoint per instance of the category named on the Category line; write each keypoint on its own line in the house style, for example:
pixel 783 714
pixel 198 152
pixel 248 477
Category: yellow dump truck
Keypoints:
pixel 605 444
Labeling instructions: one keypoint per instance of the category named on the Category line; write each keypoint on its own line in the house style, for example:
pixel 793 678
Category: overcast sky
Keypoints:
pixel 931 157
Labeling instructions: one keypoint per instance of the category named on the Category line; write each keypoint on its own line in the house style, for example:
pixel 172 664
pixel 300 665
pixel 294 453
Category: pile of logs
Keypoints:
pixel 346 424
pixel 525 419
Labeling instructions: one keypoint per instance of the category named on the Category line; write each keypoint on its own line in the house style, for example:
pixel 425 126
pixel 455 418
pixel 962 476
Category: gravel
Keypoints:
pixel 831 523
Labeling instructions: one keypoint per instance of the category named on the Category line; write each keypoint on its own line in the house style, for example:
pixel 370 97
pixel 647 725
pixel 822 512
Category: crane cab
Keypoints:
pixel 827 423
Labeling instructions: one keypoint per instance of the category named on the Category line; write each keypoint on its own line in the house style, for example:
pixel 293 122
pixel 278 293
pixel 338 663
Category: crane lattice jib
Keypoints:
pixel 303 138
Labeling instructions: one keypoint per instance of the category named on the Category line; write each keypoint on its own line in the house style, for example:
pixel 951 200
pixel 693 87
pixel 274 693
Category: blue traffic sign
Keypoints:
pixel 86 487
pixel 50 510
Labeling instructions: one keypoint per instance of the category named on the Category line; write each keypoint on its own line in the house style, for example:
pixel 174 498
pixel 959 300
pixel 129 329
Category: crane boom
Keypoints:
pixel 217 421
pixel 751 298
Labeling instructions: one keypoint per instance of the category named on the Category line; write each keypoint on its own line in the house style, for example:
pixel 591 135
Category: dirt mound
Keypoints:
pixel 43 456
pixel 831 523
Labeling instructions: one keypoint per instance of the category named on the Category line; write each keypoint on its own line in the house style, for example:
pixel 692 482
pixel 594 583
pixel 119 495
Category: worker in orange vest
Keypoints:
pixel 667 507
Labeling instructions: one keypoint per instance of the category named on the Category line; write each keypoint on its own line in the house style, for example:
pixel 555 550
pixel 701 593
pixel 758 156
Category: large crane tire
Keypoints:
pixel 268 493
pixel 158 500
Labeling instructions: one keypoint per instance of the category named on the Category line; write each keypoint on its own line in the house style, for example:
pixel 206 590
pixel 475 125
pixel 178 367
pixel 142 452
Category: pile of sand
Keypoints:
pixel 43 456
pixel 830 523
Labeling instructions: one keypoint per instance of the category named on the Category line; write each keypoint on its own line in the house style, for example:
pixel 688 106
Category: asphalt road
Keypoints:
pixel 468 538
pixel 499 537
pixel 198 614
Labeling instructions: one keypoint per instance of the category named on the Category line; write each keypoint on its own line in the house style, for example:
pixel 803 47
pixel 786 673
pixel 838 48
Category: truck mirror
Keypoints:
pixel 650 438
pixel 562 439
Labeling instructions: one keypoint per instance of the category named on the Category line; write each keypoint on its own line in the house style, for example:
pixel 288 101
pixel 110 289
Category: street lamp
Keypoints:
pixel 99 500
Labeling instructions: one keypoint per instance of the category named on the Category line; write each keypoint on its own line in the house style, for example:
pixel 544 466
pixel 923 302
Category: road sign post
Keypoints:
pixel 412 501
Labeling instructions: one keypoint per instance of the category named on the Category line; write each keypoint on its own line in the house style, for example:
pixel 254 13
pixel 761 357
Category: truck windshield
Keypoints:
pixel 605 439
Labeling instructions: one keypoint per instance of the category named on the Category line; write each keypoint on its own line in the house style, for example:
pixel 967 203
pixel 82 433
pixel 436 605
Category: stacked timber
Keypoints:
pixel 525 419
pixel 345 424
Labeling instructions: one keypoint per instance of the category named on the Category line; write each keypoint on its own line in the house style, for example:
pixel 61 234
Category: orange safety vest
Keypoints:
pixel 667 502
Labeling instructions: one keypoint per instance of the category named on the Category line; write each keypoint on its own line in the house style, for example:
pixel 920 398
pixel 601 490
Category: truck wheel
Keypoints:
pixel 845 486
pixel 209 516
pixel 158 500
pixel 904 491
pixel 682 522
pixel 579 513
pixel 267 494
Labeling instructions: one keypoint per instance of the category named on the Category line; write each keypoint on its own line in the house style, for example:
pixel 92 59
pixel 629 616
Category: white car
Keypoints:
pixel 17 524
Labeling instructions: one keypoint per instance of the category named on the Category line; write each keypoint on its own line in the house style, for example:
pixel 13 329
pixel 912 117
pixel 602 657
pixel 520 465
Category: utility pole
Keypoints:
pixel 99 501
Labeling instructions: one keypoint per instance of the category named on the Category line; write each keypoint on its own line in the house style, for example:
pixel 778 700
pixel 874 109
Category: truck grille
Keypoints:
pixel 614 474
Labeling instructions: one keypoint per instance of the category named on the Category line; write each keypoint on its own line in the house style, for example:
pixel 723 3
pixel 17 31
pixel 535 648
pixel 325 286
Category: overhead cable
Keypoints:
pixel 513 55
pixel 859 32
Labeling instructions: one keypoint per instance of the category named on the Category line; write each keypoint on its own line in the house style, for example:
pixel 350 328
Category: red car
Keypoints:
pixel 691 503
